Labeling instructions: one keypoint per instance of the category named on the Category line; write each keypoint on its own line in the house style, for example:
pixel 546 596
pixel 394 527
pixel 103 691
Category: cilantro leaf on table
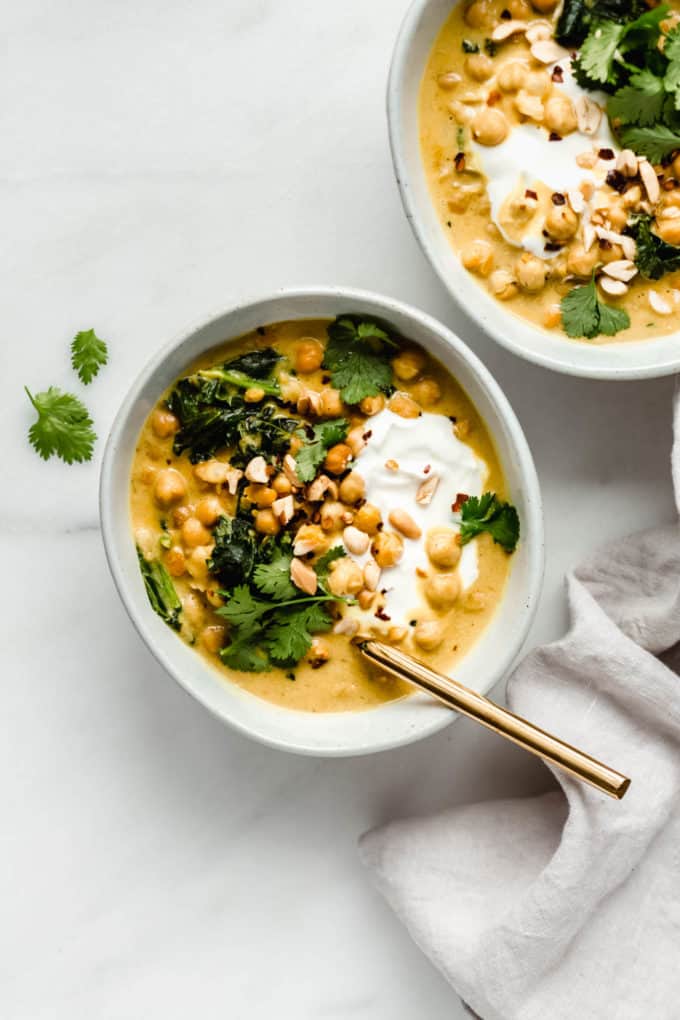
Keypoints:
pixel 160 590
pixel 63 426
pixel 357 356
pixel 324 435
pixel 655 142
pixel 488 513
pixel 273 578
pixel 654 257
pixel 88 354
pixel 584 315
pixel 289 637
pixel 641 102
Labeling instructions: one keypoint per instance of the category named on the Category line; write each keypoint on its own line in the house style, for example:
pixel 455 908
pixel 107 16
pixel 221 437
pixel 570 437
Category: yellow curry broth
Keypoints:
pixel 468 220
pixel 343 683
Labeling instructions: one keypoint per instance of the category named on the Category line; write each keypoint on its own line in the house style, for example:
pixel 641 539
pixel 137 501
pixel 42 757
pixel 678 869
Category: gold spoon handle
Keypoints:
pixel 498 719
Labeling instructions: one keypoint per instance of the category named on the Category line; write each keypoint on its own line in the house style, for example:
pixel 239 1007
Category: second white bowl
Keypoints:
pixel 631 360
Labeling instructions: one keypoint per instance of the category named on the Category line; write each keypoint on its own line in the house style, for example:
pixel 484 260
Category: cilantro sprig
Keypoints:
pixel 584 315
pixel 358 357
pixel 265 633
pixel 63 426
pixel 312 454
pixel 88 354
pixel 489 513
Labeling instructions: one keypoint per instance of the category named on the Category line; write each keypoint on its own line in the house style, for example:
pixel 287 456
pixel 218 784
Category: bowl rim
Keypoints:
pixel 668 363
pixel 533 526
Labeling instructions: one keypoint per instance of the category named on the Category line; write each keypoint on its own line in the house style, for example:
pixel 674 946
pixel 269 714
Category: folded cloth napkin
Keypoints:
pixel 567 905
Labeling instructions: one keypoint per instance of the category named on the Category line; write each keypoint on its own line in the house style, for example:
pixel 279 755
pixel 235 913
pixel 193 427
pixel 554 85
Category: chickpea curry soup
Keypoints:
pixel 310 485
pixel 551 140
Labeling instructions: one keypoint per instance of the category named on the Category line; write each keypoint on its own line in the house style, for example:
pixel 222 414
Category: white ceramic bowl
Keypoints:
pixel 344 733
pixel 638 360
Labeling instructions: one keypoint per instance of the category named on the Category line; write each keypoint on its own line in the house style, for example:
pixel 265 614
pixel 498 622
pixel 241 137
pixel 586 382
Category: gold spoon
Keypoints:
pixel 498 719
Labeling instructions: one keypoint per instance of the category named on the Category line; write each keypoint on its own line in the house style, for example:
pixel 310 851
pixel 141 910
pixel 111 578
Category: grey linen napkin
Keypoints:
pixel 567 905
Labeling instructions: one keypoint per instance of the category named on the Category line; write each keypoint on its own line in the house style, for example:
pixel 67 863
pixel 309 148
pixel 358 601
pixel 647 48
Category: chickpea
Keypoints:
pixel 331 403
pixel 503 284
pixel 266 523
pixel 163 423
pixel 352 488
pixel 308 356
pixel 537 83
pixel 561 222
pixel 512 76
pixel 197 566
pixel 531 272
pixel 346 578
pixel 337 458
pixel 169 487
pixel 408 364
pixel 193 609
pixel 355 440
pixel 669 231
pixel 442 547
pixel 194 533
pixel 460 197
pixel 581 262
pixel 479 66
pixel 618 216
pixel 478 257
pixel 372 405
pixel 613 254
pixel 560 115
pixel 174 561
pixel 478 14
pixel 254 394
pixel 332 515
pixel 490 126
pixel 429 634
pixel 368 518
pixel 520 9
pixel 181 514
pixel 281 485
pixel 404 406
pixel 675 166
pixel 212 638
pixel 544 6
pixel 442 590
pixel 209 510
pixel 387 548
pixel 427 391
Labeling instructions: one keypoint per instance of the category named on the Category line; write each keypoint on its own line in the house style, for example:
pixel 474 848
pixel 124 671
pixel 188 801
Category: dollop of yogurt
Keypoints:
pixel 422 448
pixel 528 159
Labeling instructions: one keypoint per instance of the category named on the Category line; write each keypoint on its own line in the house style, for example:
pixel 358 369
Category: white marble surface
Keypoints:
pixel 159 160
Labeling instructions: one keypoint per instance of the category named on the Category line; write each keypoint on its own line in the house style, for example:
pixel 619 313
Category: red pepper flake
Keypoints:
pixel 381 614
pixel 461 498
pixel 506 15
pixel 427 469
pixel 494 97
pixel 616 180
pixel 367 435
pixel 668 184
pixel 606 154
pixel 554 137
pixel 558 199
pixel 605 244
pixel 459 162
pixel 552 246
pixel 530 194
pixel 558 73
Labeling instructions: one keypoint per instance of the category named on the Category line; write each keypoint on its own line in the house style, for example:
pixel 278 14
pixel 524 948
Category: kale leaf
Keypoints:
pixel 160 590
pixel 233 557
pixel 654 257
